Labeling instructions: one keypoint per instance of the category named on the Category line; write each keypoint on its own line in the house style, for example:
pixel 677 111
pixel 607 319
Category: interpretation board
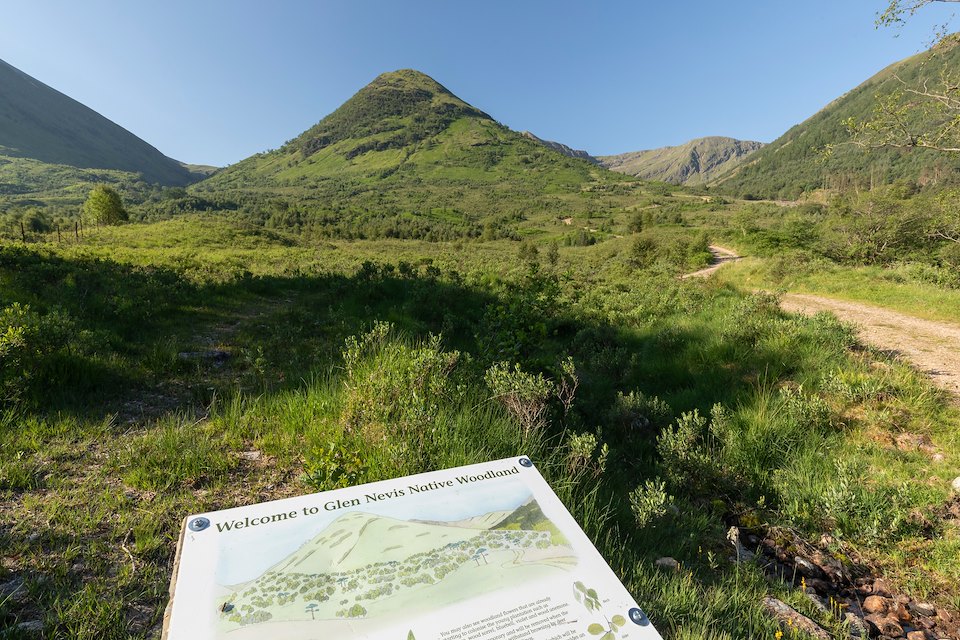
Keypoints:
pixel 481 552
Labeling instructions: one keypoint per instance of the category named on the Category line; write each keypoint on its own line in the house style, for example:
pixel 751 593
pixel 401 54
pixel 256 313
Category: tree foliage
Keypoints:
pixel 898 11
pixel 104 206
pixel 920 114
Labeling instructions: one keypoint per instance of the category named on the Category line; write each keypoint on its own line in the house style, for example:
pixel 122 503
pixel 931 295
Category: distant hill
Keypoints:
pixel 200 170
pixel 794 163
pixel 562 148
pixel 42 124
pixel 696 162
pixel 406 154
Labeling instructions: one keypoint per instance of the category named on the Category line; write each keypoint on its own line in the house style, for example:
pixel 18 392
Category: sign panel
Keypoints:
pixel 482 552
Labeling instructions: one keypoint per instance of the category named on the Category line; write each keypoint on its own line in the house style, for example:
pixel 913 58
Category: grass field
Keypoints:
pixel 194 364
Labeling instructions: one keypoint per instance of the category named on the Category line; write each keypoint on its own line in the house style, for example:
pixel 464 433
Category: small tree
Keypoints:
pixel 918 114
pixel 104 206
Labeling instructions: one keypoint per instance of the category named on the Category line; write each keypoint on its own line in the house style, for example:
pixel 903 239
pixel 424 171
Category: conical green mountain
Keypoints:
pixel 405 145
pixel 794 163
pixel 42 124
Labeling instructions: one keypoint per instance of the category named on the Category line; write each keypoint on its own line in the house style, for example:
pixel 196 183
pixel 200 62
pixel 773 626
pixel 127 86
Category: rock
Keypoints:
pixel 938 457
pixel 900 611
pixel 956 484
pixel 13 589
pixel 875 604
pixel 807 568
pixel 215 356
pixel 882 587
pixel 667 563
pixel 29 626
pixel 857 627
pixel 923 609
pixel 817 601
pixel 743 554
pixel 820 586
pixel 885 625
pixel 250 455
pixel 792 618
pixel 916 635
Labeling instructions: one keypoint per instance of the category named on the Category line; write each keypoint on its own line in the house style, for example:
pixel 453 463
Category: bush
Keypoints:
pixel 525 395
pixel 650 502
pixel 395 391
pixel 27 339
pixel 636 415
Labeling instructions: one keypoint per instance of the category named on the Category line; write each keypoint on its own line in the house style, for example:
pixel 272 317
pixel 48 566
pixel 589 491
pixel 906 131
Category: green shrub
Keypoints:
pixel 649 502
pixel 394 393
pixel 637 415
pixel 525 395
pixel 27 339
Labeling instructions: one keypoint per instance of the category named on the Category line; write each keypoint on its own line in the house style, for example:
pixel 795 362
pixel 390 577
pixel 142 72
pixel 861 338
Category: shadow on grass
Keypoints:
pixel 129 325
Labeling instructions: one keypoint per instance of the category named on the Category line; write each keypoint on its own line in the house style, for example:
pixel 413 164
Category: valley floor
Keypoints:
pixel 266 365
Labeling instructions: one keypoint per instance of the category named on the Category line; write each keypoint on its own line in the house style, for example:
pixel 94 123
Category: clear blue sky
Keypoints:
pixel 213 81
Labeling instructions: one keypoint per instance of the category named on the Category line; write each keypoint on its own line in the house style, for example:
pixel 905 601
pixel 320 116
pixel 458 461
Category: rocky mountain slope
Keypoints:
pixel 696 162
pixel 562 148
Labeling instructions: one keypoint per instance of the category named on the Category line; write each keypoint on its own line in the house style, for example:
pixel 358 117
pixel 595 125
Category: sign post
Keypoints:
pixel 481 552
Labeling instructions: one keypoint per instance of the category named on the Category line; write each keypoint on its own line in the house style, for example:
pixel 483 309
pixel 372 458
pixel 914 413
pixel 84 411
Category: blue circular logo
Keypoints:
pixel 638 617
pixel 198 524
pixel 525 462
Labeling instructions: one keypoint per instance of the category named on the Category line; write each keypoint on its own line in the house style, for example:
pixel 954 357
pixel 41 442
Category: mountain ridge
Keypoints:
pixel 795 163
pixel 695 162
pixel 568 151
pixel 38 122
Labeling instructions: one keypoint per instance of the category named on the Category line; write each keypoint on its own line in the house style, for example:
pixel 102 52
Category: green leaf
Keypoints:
pixel 595 629
pixel 608 636
pixel 619 620
pixel 579 586
pixel 593 594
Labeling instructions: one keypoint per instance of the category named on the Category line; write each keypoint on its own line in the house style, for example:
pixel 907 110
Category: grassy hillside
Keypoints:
pixel 404 158
pixel 696 162
pixel 795 163
pixel 40 123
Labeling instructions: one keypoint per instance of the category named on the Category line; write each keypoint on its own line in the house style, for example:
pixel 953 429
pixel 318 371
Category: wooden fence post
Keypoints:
pixel 76 231
pixel 23 233
pixel 58 233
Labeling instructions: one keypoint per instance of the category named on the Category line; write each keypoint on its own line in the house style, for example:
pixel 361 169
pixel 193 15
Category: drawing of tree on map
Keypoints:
pixel 366 566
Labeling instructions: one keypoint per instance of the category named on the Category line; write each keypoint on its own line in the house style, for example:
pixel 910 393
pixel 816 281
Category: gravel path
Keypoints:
pixel 721 256
pixel 932 347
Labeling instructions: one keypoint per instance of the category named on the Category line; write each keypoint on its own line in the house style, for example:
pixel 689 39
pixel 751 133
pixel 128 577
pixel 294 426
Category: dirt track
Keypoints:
pixel 721 256
pixel 932 347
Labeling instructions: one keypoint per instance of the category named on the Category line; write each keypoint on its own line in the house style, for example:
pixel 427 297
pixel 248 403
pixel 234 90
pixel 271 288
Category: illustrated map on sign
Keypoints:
pixel 424 556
